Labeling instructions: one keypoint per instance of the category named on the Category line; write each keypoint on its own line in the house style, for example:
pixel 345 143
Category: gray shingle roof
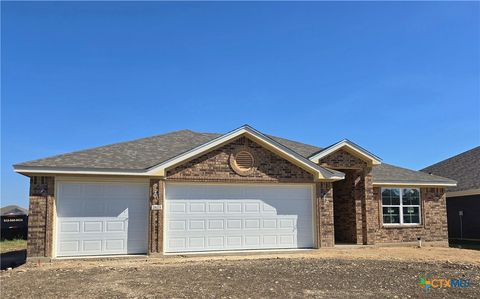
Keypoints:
pixel 142 154
pixel 464 168
pixel 138 154
pixel 386 173
pixel 13 210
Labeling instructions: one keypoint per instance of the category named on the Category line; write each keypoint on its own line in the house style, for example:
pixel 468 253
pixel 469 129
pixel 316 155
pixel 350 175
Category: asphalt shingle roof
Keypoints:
pixel 138 154
pixel 384 173
pixel 464 168
pixel 142 154
pixel 13 210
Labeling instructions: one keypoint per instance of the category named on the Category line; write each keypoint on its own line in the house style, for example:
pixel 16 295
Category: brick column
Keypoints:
pixel 359 195
pixel 324 214
pixel 155 228
pixel 41 216
pixel 369 211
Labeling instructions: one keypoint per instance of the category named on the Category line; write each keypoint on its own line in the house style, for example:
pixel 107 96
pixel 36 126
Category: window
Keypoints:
pixel 401 206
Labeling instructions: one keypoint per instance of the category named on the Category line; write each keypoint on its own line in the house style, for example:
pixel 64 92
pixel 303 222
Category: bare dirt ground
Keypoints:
pixel 326 273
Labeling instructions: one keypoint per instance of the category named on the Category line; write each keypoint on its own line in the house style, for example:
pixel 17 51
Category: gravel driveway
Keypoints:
pixel 249 278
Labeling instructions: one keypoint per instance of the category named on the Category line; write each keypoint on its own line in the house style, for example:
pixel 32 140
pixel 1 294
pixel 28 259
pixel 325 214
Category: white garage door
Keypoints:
pixel 234 217
pixel 101 218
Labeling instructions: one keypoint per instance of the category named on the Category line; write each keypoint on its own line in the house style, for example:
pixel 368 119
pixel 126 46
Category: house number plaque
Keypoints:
pixel 156 207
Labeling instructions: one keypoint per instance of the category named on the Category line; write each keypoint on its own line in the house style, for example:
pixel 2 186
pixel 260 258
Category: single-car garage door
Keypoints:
pixel 234 217
pixel 101 218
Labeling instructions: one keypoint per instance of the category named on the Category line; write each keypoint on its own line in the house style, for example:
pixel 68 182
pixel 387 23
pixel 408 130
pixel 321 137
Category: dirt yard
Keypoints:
pixel 332 273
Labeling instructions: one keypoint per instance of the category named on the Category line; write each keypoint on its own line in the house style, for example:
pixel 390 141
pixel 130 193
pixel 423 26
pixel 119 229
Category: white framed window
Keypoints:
pixel 401 206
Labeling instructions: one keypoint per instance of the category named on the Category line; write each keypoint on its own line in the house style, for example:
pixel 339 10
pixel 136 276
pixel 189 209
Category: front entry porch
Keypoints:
pixel 350 201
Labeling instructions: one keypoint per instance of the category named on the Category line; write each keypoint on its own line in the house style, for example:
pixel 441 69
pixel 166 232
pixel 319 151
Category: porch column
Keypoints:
pixel 325 234
pixel 155 229
pixel 369 211
pixel 359 195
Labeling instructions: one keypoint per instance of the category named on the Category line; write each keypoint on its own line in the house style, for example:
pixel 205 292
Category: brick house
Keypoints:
pixel 195 192
pixel 463 200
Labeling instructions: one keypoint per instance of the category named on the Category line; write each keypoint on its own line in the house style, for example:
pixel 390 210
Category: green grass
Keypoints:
pixel 12 245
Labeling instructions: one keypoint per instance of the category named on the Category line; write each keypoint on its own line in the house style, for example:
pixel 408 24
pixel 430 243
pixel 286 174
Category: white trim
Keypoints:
pixel 55 221
pixel 464 193
pixel 101 179
pixel 321 172
pixel 400 207
pixel 232 183
pixel 412 184
pixel 64 170
pixel 109 256
pixel 233 252
pixel 350 146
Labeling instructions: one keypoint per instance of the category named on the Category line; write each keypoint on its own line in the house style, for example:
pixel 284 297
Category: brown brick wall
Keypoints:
pixel 344 205
pixel 342 159
pixel 156 217
pixel 434 219
pixel 369 225
pixel 324 215
pixel 215 166
pixel 41 216
pixel 353 198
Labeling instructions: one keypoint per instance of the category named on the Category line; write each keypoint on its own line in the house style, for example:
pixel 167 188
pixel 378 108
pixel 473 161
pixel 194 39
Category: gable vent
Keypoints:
pixel 244 161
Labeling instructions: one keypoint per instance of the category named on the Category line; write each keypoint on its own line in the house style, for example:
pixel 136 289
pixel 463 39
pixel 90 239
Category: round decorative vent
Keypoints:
pixel 242 162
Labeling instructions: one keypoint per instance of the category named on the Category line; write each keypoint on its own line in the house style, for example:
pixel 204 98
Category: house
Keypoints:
pixel 463 200
pixel 13 223
pixel 194 192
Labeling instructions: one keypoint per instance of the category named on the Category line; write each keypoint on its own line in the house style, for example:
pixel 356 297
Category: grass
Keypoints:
pixel 12 245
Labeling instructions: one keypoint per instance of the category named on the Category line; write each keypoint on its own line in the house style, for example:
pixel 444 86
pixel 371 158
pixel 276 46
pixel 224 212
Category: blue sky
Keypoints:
pixel 401 79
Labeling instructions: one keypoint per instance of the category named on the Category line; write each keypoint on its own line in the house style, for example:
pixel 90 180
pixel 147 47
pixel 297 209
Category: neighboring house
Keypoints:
pixel 13 222
pixel 463 201
pixel 195 192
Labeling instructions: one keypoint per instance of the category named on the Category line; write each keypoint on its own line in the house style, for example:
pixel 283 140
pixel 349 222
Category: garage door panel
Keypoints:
pixel 92 245
pixel 69 227
pixel 196 207
pixel 229 217
pixel 101 218
pixel 93 226
pixel 196 224
pixel 69 246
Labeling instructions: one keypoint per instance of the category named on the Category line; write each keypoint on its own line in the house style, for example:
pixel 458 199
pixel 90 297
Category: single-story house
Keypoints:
pixel 185 192
pixel 463 200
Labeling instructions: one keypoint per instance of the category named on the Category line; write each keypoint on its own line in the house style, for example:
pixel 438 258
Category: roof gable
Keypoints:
pixel 349 147
pixel 217 165
pixel 259 138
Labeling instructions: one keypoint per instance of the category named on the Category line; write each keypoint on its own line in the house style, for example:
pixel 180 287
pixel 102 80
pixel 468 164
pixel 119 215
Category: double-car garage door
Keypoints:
pixel 102 218
pixel 236 217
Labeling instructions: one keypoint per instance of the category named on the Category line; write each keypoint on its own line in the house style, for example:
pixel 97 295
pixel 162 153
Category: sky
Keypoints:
pixel 401 79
